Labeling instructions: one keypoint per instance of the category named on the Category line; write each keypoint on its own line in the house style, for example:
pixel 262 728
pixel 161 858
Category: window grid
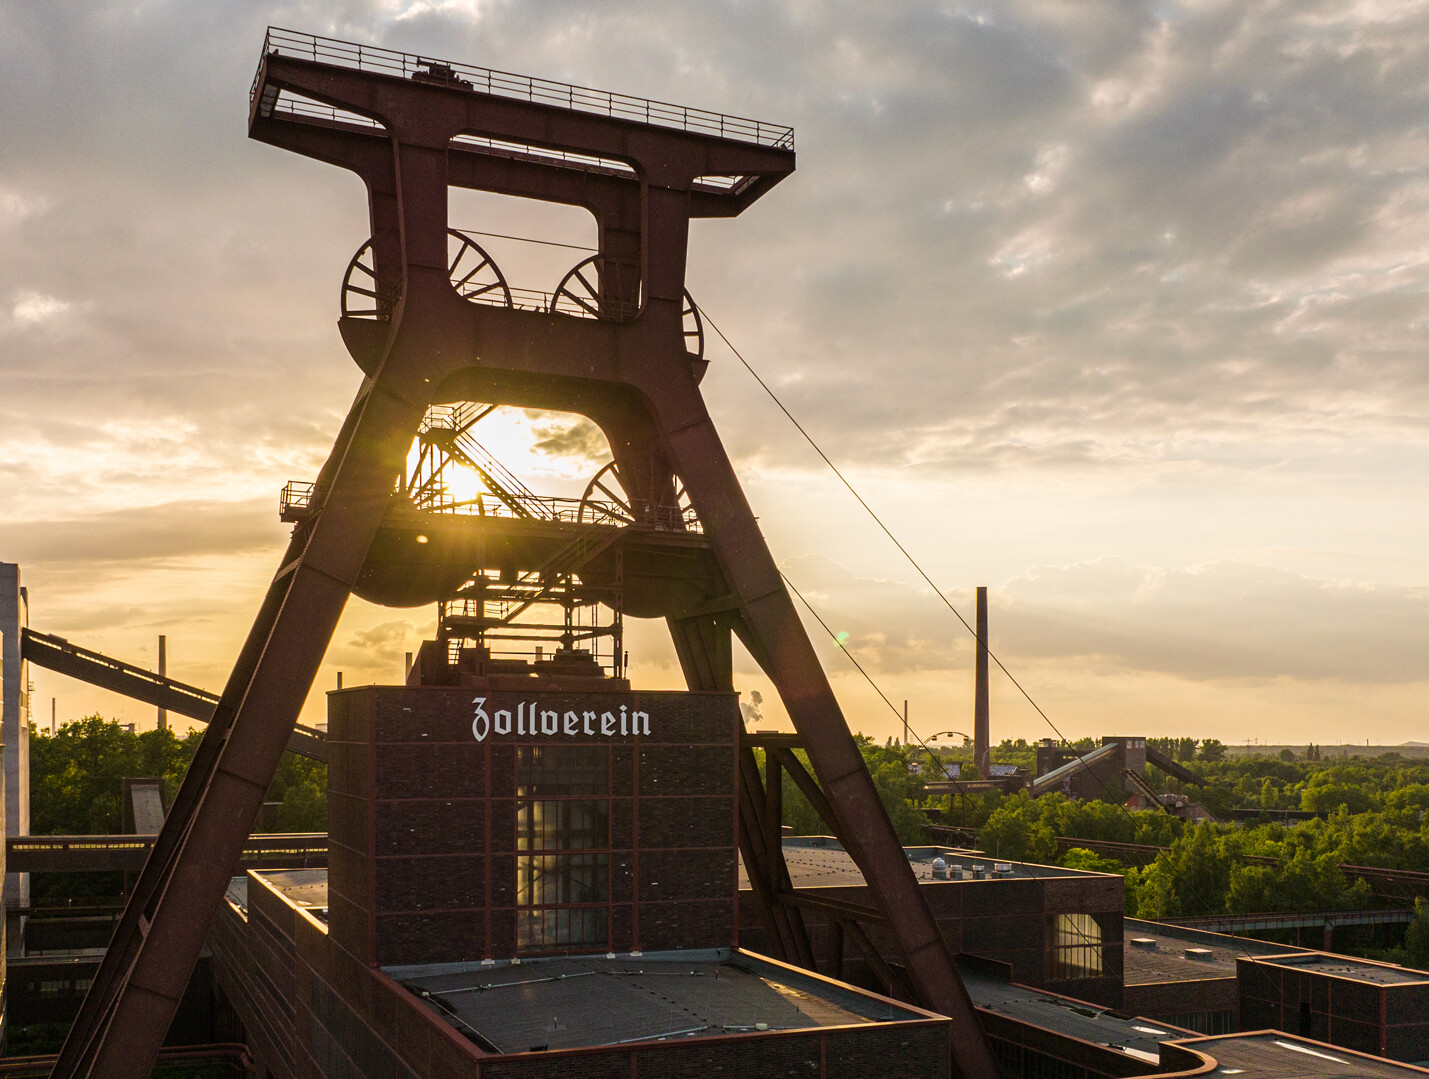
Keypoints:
pixel 544 928
pixel 563 812
pixel 582 824
pixel 562 771
pixel 1074 947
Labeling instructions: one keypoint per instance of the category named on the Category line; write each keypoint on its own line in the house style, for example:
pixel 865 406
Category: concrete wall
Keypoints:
pixel 15 721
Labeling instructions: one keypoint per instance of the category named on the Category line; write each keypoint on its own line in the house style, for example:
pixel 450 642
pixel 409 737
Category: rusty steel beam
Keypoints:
pixel 65 657
pixel 840 908
pixel 632 376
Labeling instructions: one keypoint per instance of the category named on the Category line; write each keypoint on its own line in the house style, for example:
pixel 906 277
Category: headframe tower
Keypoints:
pixel 617 343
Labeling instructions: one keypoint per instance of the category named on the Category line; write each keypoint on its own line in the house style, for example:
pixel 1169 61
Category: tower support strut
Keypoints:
pixel 628 370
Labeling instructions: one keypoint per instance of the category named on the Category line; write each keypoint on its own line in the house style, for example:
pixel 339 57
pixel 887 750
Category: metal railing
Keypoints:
pixel 103 853
pixel 305 108
pixel 404 65
pixel 182 1062
pixel 295 501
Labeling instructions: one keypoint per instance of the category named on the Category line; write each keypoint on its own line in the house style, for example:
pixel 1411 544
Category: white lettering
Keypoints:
pixel 531 719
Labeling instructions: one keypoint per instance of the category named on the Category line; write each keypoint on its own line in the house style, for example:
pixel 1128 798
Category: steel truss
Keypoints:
pixel 410 131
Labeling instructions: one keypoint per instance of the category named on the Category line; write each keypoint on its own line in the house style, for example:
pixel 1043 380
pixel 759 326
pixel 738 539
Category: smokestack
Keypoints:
pixel 163 673
pixel 982 750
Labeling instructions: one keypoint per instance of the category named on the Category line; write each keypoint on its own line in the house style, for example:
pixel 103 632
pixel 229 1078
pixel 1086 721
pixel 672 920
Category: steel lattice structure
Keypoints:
pixel 615 343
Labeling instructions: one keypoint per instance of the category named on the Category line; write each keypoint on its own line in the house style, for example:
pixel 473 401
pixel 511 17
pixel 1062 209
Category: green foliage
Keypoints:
pixel 1409 798
pixel 77 775
pixel 300 788
pixel 1328 797
pixel 1188 879
pixel 77 784
pixel 901 793
pixel 1213 749
pixel 1090 862
pixel 1416 937
pixel 1178 749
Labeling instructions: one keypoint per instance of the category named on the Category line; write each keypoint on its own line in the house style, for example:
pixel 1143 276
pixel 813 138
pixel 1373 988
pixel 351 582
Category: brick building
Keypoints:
pixel 534 883
pixel 1376 1008
pixel 1038 925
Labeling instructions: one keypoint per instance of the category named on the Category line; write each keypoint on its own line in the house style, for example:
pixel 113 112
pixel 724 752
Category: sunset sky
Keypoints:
pixel 1118 309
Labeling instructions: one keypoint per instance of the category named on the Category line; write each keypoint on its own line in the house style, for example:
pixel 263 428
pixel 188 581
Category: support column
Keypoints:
pixel 163 673
pixel 15 721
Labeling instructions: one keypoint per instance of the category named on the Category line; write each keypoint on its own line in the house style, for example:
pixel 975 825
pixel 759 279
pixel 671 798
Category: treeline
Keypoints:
pixel 77 787
pixel 77 778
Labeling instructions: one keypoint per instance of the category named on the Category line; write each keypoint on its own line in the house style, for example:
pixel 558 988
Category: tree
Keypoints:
pixel 77 784
pixel 1328 797
pixel 1213 749
pixel 77 775
pixel 1190 879
pixel 1416 937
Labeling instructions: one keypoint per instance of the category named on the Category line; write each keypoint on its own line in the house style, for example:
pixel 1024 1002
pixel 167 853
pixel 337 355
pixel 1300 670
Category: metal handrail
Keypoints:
pixel 524 87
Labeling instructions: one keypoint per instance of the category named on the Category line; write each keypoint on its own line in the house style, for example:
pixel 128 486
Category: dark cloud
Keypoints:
pixel 568 436
pixel 172 530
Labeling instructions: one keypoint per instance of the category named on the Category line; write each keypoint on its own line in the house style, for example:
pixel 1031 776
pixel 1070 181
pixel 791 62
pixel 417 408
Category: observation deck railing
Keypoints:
pixel 405 65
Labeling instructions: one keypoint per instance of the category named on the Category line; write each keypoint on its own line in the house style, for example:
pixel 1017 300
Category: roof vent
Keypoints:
pixel 1199 953
pixel 1149 943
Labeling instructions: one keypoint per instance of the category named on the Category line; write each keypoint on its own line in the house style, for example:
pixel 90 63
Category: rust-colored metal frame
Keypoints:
pixel 632 377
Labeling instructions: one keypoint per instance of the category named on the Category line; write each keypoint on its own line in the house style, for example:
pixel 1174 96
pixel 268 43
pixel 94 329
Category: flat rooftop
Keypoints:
pixel 1341 966
pixel 819 862
pixel 1273 1055
pixel 1154 952
pixel 306 888
pixel 1139 1039
pixel 570 1002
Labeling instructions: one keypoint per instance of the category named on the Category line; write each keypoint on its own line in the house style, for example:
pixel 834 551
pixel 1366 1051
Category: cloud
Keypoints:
pixel 171 530
pixel 34 307
pixel 1155 246
pixel 1220 621
pixel 568 436
pixel 16 208
pixel 386 638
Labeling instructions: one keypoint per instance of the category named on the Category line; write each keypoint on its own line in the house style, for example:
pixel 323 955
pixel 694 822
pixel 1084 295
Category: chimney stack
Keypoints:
pixel 982 749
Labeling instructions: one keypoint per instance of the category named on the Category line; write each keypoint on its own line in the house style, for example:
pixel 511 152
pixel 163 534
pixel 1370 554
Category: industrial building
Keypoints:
pixel 535 884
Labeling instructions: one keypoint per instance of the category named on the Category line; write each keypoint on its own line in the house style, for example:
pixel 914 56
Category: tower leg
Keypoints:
pixel 146 968
pixel 769 626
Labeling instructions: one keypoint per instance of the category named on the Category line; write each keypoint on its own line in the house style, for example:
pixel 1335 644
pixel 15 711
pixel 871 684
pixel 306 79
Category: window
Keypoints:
pixel 582 824
pixel 562 771
pixel 562 812
pixel 1074 947
pixel 545 930
pixel 562 878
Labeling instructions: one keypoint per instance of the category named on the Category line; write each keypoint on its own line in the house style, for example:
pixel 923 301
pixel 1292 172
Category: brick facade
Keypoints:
pixel 423 818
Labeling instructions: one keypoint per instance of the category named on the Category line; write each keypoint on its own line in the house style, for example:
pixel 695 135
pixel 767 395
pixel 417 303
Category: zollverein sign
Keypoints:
pixel 531 719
